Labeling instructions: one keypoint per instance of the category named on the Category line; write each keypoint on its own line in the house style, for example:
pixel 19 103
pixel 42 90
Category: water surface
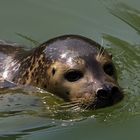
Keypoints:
pixel 29 114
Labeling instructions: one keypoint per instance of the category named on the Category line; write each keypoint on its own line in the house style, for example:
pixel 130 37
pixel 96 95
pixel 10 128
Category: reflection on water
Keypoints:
pixel 27 112
pixel 127 58
pixel 127 14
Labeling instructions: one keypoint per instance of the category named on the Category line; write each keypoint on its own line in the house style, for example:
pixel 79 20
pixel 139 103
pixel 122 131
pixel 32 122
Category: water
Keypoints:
pixel 29 114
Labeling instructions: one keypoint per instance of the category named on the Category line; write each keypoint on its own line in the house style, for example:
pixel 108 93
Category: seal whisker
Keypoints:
pixel 69 105
pixel 101 53
pixel 86 105
pixel 75 108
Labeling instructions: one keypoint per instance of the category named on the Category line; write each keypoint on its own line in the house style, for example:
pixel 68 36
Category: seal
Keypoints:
pixel 72 67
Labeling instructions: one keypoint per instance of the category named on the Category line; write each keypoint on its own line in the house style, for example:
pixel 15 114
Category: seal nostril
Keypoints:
pixel 102 93
pixel 115 90
pixel 107 92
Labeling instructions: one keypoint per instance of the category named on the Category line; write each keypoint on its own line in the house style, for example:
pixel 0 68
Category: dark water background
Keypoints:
pixel 29 114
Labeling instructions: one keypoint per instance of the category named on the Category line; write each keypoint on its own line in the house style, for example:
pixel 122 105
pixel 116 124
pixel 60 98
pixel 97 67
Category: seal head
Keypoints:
pixel 74 68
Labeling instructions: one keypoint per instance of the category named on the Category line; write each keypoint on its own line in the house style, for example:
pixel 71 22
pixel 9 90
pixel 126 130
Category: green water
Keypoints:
pixel 114 24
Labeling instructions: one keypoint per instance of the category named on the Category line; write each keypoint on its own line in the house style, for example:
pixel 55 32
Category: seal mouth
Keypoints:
pixel 92 102
pixel 103 99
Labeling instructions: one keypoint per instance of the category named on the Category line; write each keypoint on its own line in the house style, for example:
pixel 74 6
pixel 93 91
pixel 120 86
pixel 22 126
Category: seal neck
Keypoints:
pixel 32 69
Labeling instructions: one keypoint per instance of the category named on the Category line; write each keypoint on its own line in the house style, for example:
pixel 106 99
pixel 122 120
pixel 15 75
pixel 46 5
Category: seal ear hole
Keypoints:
pixel 109 69
pixel 53 71
pixel 73 75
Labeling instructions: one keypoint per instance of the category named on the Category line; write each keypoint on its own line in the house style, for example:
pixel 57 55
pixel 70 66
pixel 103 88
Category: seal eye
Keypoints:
pixel 73 75
pixel 109 69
